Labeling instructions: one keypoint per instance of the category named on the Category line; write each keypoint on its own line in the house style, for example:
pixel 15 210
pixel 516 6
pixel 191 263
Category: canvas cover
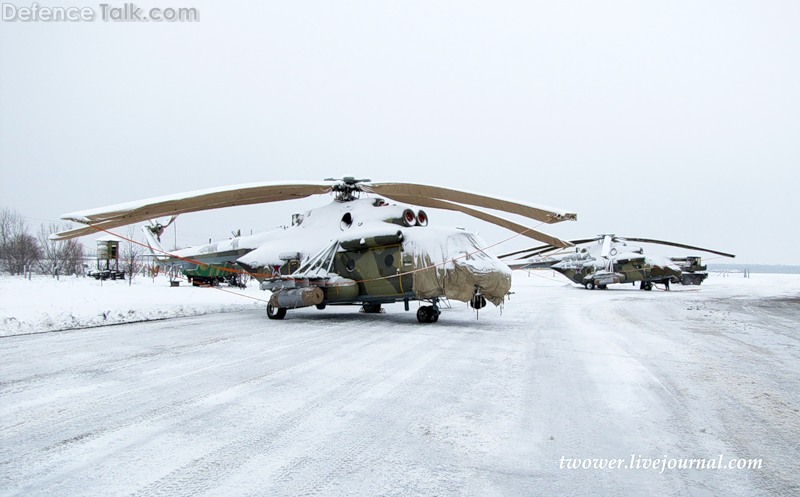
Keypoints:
pixel 454 265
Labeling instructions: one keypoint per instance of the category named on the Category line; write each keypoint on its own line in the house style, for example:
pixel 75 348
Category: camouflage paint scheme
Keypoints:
pixel 378 272
pixel 208 268
pixel 694 272
pixel 386 269
pixel 597 262
pixel 628 271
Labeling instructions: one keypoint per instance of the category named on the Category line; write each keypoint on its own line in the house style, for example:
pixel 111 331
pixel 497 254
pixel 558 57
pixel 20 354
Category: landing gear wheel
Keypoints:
pixel 275 312
pixel 428 314
pixel 647 286
pixel 320 306
pixel 602 287
pixel 591 285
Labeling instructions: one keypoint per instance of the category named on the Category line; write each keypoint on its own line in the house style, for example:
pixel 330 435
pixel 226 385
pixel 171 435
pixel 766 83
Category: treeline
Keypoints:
pixel 21 251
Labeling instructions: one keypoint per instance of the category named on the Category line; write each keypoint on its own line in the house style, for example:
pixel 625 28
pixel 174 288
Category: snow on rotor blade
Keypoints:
pixel 543 249
pixel 126 213
pixel 489 218
pixel 407 190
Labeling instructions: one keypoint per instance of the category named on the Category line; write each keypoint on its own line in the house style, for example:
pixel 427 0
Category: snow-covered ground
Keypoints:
pixel 46 304
pixel 336 402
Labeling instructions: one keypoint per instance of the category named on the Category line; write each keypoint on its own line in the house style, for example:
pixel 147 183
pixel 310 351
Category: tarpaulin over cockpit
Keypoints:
pixel 454 263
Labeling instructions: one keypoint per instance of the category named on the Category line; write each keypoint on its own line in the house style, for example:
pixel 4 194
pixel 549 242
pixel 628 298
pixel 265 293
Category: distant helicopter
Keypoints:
pixel 608 259
pixel 360 249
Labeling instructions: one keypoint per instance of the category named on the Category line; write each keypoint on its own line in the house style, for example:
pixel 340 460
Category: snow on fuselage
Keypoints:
pixel 447 253
pixel 434 261
pixel 626 262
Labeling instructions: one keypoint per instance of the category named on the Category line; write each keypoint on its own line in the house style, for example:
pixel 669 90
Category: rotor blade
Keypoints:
pixel 408 190
pixel 679 245
pixel 171 205
pixel 76 232
pixel 540 251
pixel 510 225
pixel 534 249
pixel 543 249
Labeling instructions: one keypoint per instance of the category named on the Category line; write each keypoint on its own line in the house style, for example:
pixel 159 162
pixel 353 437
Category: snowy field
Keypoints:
pixel 46 304
pixel 335 402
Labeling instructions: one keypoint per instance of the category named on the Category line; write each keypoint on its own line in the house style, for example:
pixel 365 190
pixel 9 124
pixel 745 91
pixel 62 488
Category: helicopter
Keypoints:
pixel 204 265
pixel 608 259
pixel 370 246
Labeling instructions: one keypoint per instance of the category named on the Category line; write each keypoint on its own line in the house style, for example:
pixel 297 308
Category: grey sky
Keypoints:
pixel 676 120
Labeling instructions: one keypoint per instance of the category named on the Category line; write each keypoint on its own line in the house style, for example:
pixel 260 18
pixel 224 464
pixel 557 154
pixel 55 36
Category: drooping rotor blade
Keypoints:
pixel 510 225
pixel 409 191
pixel 171 205
pixel 542 249
pixel 679 245
pixel 517 252
pixel 76 232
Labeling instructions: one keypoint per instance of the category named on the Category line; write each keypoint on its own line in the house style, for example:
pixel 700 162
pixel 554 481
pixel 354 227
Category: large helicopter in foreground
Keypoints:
pixel 608 259
pixel 361 249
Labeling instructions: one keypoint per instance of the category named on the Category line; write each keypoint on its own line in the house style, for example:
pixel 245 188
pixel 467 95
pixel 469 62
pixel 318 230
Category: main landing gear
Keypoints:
pixel 429 313
pixel 275 312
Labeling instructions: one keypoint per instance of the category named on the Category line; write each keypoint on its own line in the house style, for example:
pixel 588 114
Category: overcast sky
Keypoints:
pixel 673 120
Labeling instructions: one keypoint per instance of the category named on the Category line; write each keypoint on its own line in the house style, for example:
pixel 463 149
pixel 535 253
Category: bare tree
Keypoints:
pixel 51 258
pixel 72 255
pixel 18 248
pixel 22 252
pixel 10 222
pixel 130 258
pixel 59 257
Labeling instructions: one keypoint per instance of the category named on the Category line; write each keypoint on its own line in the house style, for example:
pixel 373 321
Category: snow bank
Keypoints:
pixel 46 304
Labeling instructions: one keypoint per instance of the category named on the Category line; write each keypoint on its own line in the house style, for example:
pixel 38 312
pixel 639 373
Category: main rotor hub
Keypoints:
pixel 347 188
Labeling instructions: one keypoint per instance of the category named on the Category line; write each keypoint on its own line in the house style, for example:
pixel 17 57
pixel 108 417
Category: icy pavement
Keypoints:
pixel 336 402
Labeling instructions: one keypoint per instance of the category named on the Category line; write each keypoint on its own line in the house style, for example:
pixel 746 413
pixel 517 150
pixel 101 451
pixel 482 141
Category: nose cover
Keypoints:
pixel 453 264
